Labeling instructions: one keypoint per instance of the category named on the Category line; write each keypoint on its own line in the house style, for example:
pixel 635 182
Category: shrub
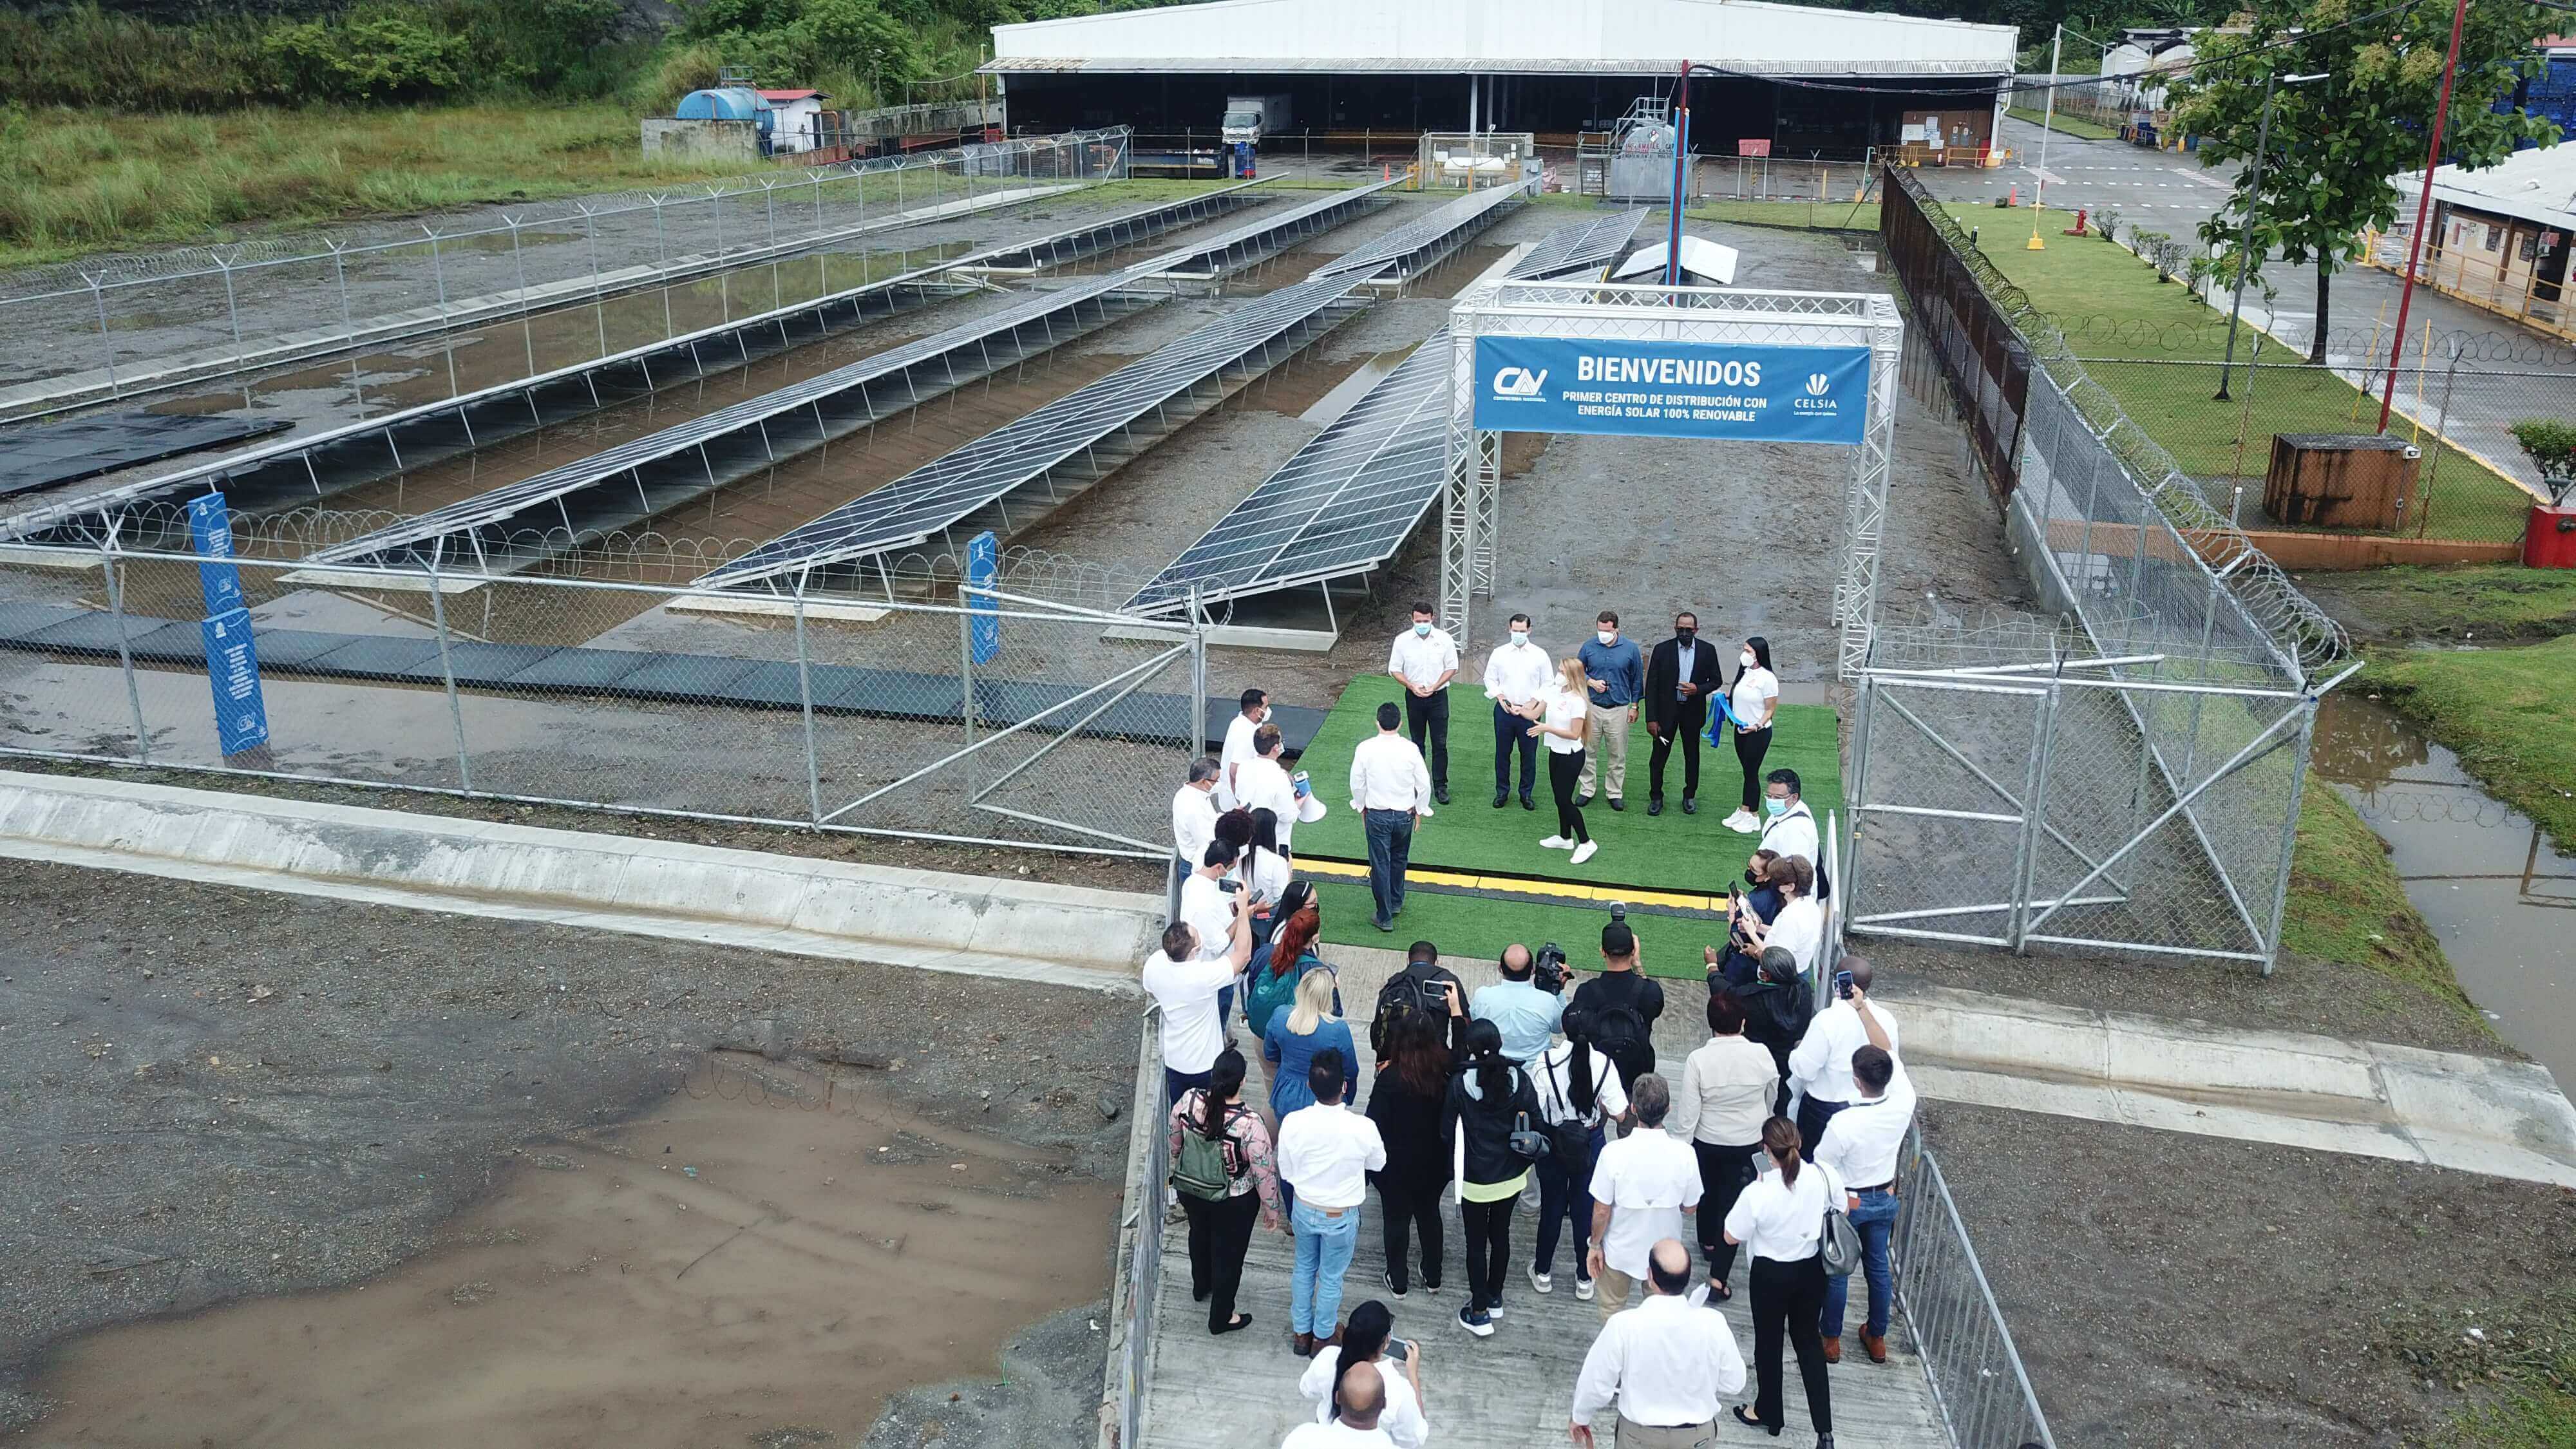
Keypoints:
pixel 379 57
pixel 2551 446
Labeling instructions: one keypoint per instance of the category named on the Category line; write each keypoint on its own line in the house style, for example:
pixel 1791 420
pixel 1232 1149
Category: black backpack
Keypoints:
pixel 1405 991
pixel 1571 1139
pixel 1621 1034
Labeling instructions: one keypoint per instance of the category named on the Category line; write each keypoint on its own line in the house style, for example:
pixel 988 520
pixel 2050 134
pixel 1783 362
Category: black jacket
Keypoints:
pixel 1663 678
pixel 1776 1015
pixel 1415 1127
pixel 1487 1127
pixel 1454 1028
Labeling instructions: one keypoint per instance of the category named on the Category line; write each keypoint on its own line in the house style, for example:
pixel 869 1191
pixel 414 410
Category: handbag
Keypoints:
pixel 1571 1139
pixel 1840 1243
pixel 1530 1146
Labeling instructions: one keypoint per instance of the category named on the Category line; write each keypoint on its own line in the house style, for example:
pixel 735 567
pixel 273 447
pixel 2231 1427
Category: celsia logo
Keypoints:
pixel 1818 384
pixel 1519 383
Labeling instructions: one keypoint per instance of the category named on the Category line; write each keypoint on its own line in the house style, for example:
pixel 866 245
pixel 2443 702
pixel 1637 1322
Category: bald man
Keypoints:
pixel 1363 1399
pixel 1666 1363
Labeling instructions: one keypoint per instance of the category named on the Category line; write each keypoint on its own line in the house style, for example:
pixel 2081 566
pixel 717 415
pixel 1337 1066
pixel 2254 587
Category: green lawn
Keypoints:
pixel 2347 905
pixel 2064 125
pixel 2089 286
pixel 2484 603
pixel 2506 711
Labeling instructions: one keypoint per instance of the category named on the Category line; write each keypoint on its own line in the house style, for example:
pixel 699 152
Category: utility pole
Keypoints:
pixel 2253 199
pixel 2423 207
pixel 1681 176
pixel 2039 188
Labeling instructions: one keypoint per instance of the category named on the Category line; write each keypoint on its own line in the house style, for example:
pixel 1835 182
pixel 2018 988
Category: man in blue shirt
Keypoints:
pixel 1525 1015
pixel 1616 671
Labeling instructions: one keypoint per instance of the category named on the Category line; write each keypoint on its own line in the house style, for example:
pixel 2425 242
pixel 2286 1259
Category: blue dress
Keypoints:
pixel 1290 1055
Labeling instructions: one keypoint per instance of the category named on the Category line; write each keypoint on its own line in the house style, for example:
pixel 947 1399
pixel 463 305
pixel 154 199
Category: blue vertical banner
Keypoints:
pixel 232 666
pixel 210 531
pixel 983 572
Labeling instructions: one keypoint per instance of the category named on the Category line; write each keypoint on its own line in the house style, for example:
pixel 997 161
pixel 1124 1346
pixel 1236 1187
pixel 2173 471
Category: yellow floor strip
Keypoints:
pixel 1566 892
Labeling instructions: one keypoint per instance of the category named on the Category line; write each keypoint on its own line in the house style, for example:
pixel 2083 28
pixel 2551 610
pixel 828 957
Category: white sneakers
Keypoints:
pixel 1541 1282
pixel 1556 842
pixel 1742 822
pixel 1586 851
pixel 1583 1289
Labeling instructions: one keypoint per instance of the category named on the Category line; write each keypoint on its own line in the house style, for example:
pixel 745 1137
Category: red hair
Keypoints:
pixel 1292 938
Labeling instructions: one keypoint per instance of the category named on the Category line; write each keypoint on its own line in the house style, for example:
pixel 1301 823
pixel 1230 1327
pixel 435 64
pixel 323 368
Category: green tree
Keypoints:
pixel 2337 143
pixel 859 37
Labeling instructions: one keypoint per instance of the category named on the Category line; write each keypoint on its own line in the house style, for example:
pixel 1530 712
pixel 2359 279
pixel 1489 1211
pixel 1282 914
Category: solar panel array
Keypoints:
pixel 1351 497
pixel 915 508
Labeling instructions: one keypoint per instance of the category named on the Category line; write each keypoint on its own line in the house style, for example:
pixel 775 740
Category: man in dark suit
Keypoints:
pixel 1679 679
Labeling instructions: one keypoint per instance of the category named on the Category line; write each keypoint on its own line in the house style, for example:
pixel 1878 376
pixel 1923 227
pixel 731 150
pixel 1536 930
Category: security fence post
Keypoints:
pixel 2034 813
pixel 1198 678
pixel 966 676
pixel 438 274
pixel 447 669
pixel 232 313
pixel 2299 754
pixel 805 702
pixel 124 652
pixel 348 327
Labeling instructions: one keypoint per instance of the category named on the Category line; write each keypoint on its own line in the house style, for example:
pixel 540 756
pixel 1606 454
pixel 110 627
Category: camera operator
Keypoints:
pixel 1527 1005
pixel 1623 1003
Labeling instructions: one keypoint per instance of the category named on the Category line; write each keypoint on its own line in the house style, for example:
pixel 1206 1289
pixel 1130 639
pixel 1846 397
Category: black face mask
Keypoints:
pixel 1751 879
pixel 1685 635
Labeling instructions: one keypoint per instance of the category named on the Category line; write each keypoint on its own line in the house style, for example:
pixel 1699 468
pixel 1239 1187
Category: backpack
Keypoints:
pixel 1570 1139
pixel 1404 991
pixel 1207 1166
pixel 1620 1034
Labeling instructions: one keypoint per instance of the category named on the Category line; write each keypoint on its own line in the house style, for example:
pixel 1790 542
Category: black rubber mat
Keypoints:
pixel 714 679
pixel 45 454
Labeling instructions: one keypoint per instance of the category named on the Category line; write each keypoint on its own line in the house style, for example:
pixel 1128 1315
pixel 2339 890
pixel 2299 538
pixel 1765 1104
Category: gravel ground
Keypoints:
pixel 2102 1244
pixel 212 1092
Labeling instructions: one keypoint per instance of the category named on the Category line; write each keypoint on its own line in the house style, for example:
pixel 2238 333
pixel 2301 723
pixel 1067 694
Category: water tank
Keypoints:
pixel 733 103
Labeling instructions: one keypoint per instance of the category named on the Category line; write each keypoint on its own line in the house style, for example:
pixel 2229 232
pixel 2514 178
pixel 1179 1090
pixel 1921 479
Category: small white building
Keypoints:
pixel 798 123
pixel 2500 235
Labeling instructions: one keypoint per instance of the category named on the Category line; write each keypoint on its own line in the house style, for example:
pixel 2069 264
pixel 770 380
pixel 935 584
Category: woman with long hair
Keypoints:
pixel 1270 980
pixel 1408 1102
pixel 1264 873
pixel 1755 698
pixel 1489 1098
pixel 1297 1033
pixel 1367 1337
pixel 1560 728
pixel 1724 1100
pixel 1221 1227
pixel 1798 927
pixel 1781 1220
pixel 1759 904
pixel 1575 1083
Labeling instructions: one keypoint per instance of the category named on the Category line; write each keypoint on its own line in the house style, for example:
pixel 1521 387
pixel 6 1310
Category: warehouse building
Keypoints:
pixel 1803 80
pixel 2500 236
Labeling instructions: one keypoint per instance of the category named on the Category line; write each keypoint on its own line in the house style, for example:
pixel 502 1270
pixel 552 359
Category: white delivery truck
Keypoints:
pixel 1250 118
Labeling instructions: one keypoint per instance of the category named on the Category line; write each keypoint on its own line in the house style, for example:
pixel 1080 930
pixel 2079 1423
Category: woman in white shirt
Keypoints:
pixel 1560 726
pixel 1722 1106
pixel 1781 1219
pixel 1365 1338
pixel 1799 927
pixel 1755 698
pixel 1576 1083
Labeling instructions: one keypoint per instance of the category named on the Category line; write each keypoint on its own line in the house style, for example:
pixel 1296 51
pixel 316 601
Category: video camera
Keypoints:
pixel 1547 969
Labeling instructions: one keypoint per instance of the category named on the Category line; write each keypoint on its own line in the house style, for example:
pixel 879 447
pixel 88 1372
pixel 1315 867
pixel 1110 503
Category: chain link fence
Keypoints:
pixel 112 326
pixel 2125 775
pixel 1014 717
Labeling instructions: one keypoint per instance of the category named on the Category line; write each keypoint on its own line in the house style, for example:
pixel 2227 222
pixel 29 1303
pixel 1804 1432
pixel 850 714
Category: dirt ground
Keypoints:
pixel 213 1093
pixel 2192 1291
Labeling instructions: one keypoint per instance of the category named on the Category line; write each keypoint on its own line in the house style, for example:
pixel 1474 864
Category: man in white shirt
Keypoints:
pixel 1788 826
pixel 1862 1145
pixel 1253 714
pixel 1186 986
pixel 1821 1067
pixel 1643 1185
pixel 1516 673
pixel 1194 815
pixel 1424 660
pixel 1665 1362
pixel 1261 783
pixel 1392 792
pixel 1356 1427
pixel 1325 1156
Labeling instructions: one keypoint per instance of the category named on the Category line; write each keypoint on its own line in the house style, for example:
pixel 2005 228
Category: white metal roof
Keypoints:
pixel 2533 185
pixel 1531 36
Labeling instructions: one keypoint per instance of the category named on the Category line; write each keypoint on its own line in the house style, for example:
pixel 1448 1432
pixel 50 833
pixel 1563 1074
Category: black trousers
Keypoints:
pixel 1410 1210
pixel 1489 1251
pixel 1750 747
pixel 1563 770
pixel 1512 735
pixel 1220 1234
pixel 1790 1297
pixel 1430 717
pixel 1724 1173
pixel 1687 723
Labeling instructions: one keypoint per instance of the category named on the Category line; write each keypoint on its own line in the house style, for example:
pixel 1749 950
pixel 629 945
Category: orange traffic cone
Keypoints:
pixel 1385 171
pixel 2013 197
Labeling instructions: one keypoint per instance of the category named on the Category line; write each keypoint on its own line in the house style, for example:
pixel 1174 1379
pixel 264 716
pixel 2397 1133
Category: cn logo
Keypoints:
pixel 1818 384
pixel 1519 382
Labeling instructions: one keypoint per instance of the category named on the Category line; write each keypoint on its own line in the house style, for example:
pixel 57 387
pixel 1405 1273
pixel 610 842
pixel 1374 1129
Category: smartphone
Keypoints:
pixel 1398 1350
pixel 1843 984
pixel 1230 885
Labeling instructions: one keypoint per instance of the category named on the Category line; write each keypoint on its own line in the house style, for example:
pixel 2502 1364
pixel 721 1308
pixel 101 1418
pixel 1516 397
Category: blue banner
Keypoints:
pixel 1745 393
pixel 210 530
pixel 983 571
pixel 232 666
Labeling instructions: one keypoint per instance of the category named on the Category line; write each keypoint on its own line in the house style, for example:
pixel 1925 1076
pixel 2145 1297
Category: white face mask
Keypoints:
pixel 1608 636
pixel 1520 638
pixel 1265 714
pixel 1745 658
pixel 1422 631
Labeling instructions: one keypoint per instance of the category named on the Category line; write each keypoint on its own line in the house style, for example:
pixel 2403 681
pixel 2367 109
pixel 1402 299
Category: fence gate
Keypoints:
pixel 1948 774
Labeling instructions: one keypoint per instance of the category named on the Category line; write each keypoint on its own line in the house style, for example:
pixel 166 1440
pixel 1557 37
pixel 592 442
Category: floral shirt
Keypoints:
pixel 1252 1144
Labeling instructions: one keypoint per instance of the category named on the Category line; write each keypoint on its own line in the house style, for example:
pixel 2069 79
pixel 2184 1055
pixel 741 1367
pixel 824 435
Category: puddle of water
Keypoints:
pixel 732 1264
pixel 2490 883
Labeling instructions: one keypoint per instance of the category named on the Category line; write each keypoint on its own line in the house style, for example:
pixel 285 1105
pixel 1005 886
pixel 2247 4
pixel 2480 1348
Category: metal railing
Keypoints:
pixel 1137 1273
pixel 1968 1355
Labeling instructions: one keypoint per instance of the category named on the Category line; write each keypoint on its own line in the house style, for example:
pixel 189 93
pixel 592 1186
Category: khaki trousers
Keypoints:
pixel 1610 1291
pixel 1605 753
pixel 1633 1435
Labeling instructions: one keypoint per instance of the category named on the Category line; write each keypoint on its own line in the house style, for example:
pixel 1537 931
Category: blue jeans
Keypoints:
pixel 1323 1254
pixel 1876 1218
pixel 1561 1197
pixel 1390 850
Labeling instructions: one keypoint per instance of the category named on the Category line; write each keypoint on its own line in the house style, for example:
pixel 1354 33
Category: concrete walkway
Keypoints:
pixel 2446 1109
